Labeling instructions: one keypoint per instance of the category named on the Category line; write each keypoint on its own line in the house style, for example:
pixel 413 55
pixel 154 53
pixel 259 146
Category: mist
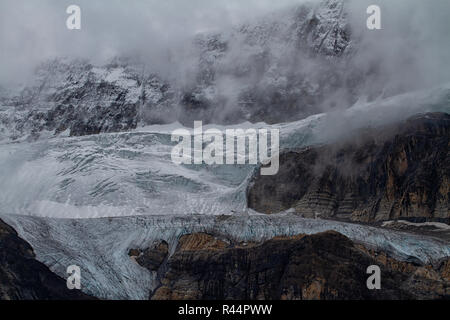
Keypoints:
pixel 411 51
pixel 33 31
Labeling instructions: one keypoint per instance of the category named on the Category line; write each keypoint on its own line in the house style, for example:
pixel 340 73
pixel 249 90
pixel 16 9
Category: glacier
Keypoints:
pixel 100 246
pixel 131 173
pixel 87 200
pixel 87 174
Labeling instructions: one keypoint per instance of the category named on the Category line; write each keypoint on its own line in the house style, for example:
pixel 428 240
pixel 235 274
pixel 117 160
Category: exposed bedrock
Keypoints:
pixel 22 277
pixel 102 248
pixel 400 171
pixel 326 266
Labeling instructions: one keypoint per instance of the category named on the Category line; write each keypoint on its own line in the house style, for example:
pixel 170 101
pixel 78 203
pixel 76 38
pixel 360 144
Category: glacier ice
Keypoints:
pixel 100 246
pixel 131 173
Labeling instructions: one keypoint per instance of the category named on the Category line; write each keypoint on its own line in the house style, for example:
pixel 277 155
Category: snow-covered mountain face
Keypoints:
pixel 78 97
pixel 277 68
pixel 307 59
pixel 280 67
pixel 285 66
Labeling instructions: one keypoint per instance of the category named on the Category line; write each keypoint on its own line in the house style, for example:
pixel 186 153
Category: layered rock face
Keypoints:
pixel 24 278
pixel 400 171
pixel 151 258
pixel 325 266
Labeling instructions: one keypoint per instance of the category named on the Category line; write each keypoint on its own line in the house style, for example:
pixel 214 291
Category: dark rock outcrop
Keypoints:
pixel 22 277
pixel 151 258
pixel 400 171
pixel 326 266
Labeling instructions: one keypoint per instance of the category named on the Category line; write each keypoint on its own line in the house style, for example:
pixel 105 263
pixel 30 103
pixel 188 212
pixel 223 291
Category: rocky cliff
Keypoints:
pixel 22 277
pixel 399 171
pixel 325 266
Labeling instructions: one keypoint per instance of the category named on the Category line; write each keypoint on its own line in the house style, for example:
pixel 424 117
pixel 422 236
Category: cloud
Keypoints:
pixel 32 31
pixel 411 51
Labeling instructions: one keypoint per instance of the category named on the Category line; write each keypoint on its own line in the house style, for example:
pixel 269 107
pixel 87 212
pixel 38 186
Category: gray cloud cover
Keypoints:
pixel 414 41
pixel 32 31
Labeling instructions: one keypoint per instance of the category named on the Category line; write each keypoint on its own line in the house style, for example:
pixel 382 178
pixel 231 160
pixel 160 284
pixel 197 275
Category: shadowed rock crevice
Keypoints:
pixel 151 258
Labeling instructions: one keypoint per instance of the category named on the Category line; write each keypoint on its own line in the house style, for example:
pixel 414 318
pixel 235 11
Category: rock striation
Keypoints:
pixel 324 266
pixel 397 172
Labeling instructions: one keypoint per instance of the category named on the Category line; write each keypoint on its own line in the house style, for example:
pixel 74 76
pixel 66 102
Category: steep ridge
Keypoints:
pixel 284 66
pixel 75 97
pixel 398 171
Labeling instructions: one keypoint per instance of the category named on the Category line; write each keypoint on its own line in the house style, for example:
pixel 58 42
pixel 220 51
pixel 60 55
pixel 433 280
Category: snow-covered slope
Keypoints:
pixel 77 98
